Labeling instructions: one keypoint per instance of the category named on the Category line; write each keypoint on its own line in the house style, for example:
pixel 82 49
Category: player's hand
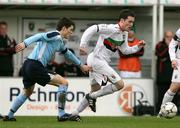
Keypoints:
pixel 141 44
pixel 85 69
pixel 19 47
pixel 174 64
pixel 82 51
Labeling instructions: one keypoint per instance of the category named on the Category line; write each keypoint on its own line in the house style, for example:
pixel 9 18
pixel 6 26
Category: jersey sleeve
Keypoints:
pixel 69 55
pixel 173 44
pixel 106 28
pixel 52 35
pixel 96 29
pixel 42 37
pixel 32 39
pixel 126 49
pixel 89 32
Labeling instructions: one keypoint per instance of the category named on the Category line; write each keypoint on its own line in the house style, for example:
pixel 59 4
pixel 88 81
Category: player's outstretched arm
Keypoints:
pixel 28 41
pixel 34 38
pixel 70 56
pixel 19 47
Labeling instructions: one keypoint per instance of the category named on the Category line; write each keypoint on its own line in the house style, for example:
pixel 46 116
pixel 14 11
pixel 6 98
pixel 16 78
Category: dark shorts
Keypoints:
pixel 34 72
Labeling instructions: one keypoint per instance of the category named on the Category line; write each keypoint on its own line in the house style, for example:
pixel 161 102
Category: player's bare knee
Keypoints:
pixel 59 80
pixel 174 87
pixel 28 92
pixel 95 87
pixel 119 84
pixel 65 82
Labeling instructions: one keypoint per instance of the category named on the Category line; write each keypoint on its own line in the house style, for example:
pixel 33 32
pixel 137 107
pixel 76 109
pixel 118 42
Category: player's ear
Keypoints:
pixel 121 20
pixel 63 28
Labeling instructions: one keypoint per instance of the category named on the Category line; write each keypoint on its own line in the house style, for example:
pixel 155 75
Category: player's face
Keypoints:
pixel 126 24
pixel 67 32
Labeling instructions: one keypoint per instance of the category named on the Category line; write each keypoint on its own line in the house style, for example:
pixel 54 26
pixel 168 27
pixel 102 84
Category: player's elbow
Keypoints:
pixel 125 52
pixel 120 84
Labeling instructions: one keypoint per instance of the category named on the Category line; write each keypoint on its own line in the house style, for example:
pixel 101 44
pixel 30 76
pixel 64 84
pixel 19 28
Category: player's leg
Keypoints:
pixel 62 85
pixel 95 86
pixel 108 89
pixel 32 70
pixel 116 84
pixel 21 98
pixel 169 95
pixel 173 89
pixel 84 103
pixel 92 101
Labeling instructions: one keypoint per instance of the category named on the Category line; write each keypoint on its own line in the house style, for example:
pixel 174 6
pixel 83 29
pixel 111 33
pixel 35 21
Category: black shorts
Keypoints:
pixel 34 72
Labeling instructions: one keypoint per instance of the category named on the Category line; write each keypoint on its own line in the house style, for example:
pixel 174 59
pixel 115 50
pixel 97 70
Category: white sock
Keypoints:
pixel 168 96
pixel 81 107
pixel 109 89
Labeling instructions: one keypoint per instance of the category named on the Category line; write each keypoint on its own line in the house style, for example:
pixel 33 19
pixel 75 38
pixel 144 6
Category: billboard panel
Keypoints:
pixel 44 102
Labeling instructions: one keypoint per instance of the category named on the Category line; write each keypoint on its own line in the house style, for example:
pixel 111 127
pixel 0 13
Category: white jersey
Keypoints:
pixel 110 39
pixel 174 46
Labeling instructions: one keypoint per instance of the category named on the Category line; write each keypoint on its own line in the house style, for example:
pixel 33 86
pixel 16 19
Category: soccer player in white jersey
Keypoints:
pixel 34 70
pixel 174 52
pixel 111 38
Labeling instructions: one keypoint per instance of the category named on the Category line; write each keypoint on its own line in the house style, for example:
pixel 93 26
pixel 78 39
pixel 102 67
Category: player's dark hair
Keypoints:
pixel 65 22
pixel 125 13
pixel 3 23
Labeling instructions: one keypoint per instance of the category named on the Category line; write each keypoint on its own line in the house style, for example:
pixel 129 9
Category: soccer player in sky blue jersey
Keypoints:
pixel 112 37
pixel 34 70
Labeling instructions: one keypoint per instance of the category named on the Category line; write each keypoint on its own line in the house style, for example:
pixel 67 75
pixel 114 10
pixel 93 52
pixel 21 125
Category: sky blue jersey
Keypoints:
pixel 47 44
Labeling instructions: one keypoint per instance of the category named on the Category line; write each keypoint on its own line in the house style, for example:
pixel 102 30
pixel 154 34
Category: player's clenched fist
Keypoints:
pixel 141 43
pixel 20 47
pixel 82 51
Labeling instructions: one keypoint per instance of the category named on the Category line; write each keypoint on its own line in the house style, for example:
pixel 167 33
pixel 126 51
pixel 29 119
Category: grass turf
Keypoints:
pixel 93 122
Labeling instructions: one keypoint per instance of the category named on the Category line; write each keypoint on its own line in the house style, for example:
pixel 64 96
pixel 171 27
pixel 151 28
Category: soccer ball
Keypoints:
pixel 168 110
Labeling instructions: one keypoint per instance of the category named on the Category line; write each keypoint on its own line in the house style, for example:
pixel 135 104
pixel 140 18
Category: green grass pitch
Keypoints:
pixel 93 122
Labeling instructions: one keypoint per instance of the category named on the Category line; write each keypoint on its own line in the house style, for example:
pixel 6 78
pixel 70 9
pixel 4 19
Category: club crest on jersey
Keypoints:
pixel 113 76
